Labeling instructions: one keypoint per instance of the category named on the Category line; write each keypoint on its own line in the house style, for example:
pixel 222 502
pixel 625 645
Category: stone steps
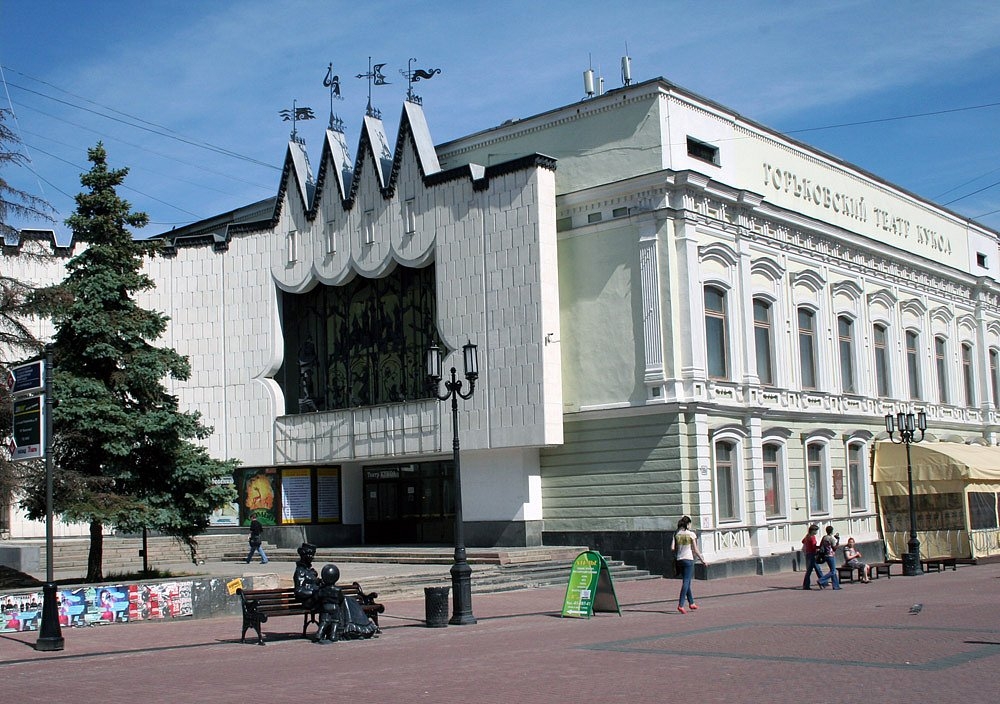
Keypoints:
pixel 122 554
pixel 493 578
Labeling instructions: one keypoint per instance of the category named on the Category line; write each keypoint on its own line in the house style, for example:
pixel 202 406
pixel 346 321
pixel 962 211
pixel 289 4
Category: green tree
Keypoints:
pixel 125 455
pixel 16 339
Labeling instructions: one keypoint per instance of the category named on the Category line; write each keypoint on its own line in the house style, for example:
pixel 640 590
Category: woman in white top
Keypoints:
pixel 685 547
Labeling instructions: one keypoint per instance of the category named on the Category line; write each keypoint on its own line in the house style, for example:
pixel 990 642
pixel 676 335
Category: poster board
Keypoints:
pixel 590 588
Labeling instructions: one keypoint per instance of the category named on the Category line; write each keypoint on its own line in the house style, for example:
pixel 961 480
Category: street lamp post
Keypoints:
pixel 908 426
pixel 461 572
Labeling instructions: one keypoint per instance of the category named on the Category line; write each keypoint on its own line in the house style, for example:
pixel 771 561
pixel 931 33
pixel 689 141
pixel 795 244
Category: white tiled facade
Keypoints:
pixel 576 248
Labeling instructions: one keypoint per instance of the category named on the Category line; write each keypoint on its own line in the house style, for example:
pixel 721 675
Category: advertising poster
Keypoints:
pixel 257 495
pixel 296 495
pixel 590 588
pixel 229 513
pixel 328 495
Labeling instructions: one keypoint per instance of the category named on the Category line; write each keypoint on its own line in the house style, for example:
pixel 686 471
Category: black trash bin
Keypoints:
pixel 436 606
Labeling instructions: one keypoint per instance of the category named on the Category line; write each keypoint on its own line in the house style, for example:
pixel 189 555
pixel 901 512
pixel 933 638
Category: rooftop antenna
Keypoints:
pixel 296 114
pixel 412 76
pixel 332 82
pixel 588 79
pixel 626 68
pixel 375 77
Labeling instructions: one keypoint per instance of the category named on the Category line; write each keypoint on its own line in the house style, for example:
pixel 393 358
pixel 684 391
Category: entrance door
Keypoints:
pixel 409 504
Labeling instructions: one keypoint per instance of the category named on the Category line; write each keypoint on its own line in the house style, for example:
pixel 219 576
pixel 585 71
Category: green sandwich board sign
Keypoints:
pixel 590 587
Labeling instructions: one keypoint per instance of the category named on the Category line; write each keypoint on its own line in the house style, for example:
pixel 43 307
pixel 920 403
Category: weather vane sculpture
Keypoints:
pixel 375 77
pixel 332 81
pixel 412 76
pixel 296 114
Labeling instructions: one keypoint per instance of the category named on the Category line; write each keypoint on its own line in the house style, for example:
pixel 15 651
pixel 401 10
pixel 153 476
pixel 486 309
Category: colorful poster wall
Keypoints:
pixel 106 604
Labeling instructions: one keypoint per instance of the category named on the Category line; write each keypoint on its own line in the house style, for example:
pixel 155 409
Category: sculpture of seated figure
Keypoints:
pixel 305 579
pixel 331 601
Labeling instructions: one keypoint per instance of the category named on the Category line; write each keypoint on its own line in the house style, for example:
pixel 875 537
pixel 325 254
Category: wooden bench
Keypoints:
pixel 259 605
pixel 939 564
pixel 875 570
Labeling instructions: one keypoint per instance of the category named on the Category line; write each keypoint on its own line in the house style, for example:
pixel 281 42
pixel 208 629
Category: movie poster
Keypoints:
pixel 257 494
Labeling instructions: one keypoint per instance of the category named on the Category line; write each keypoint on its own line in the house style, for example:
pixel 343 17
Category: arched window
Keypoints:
pixel 807 347
pixel 726 489
pixel 716 338
pixel 774 491
pixel 913 362
pixel 994 371
pixel 763 340
pixel 968 375
pixel 880 336
pixel 845 339
pixel 940 363
pixel 816 477
pixel 857 476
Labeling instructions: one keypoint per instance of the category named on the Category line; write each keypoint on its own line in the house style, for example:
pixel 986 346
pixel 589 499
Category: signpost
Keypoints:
pixel 30 386
pixel 590 587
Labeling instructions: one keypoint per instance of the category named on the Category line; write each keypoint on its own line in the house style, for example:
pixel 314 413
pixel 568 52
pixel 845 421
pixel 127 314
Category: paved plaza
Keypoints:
pixel 754 639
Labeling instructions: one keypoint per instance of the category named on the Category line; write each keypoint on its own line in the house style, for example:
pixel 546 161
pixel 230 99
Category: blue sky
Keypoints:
pixel 186 94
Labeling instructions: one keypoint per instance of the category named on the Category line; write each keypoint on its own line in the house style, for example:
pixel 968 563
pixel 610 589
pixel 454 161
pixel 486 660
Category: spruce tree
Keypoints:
pixel 125 455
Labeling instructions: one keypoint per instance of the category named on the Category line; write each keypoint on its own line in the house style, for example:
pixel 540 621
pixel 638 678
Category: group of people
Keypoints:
pixel 817 552
pixel 824 551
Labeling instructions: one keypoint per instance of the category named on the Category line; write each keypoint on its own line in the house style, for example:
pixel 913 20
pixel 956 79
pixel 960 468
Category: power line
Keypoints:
pixel 159 132
pixel 893 119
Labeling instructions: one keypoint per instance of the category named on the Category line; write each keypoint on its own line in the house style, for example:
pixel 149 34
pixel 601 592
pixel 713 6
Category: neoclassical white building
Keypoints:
pixel 677 311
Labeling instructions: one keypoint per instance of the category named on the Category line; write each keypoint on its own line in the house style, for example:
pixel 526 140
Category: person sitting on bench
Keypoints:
pixel 853 557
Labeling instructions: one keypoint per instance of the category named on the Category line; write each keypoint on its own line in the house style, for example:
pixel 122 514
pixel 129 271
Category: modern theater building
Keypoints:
pixel 676 310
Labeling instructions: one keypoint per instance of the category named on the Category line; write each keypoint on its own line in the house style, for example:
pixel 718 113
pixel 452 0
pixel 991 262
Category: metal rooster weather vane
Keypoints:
pixel 375 77
pixel 332 81
pixel 296 114
pixel 412 76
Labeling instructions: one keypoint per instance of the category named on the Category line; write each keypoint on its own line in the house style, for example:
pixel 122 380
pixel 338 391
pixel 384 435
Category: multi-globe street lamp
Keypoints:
pixel 907 426
pixel 461 572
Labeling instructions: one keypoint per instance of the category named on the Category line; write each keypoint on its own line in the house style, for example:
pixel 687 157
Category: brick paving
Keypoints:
pixel 753 639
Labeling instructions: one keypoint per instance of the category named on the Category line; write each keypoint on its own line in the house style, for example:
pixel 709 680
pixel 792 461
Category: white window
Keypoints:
pixel 968 375
pixel 409 216
pixel 807 347
pixel 763 340
pixel 913 362
pixel 857 477
pixel 881 336
pixel 774 494
pixel 369 227
pixel 816 477
pixel 331 237
pixel 994 370
pixel 940 363
pixel 293 246
pixel 715 332
pixel 726 489
pixel 845 337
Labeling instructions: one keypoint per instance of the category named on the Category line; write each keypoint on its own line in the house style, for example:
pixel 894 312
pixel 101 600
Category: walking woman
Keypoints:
pixel 810 547
pixel 685 547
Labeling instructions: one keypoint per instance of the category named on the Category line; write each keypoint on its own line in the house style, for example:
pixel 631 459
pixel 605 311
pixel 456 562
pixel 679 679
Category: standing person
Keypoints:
pixel 685 547
pixel 810 547
pixel 828 545
pixel 255 540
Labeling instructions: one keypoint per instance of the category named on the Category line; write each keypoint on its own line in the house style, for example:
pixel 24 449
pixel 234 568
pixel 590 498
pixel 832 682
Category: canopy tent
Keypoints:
pixel 955 488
